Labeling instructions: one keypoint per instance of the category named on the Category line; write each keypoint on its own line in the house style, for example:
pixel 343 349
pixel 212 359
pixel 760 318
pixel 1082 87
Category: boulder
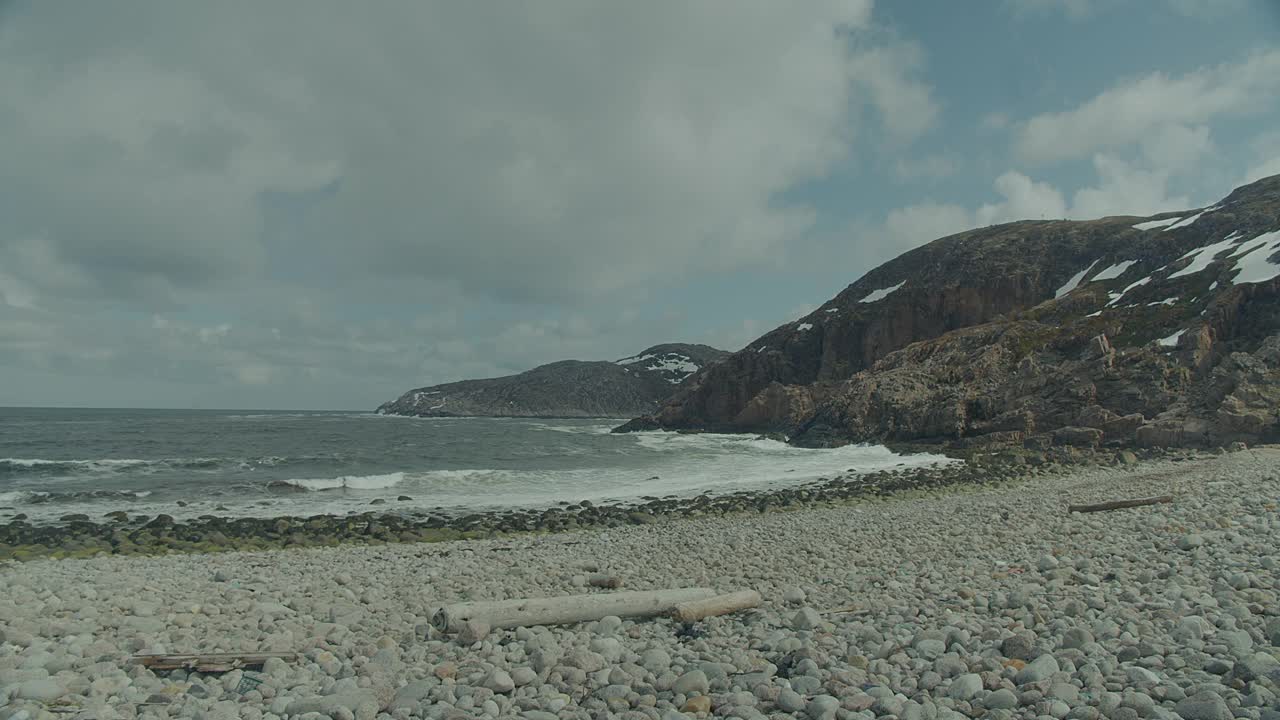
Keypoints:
pixel 1086 437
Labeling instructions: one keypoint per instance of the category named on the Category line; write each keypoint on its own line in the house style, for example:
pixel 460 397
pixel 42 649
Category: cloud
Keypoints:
pixel 1266 168
pixel 1124 189
pixel 1134 109
pixel 887 74
pixel 314 200
pixel 917 224
pixel 1176 148
pixel 124 178
pixel 1120 189
pixel 532 152
pixel 1266 148
pixel 1023 199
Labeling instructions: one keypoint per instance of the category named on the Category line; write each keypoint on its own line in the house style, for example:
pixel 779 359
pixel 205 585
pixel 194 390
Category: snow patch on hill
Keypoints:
pixel 882 294
pixel 680 366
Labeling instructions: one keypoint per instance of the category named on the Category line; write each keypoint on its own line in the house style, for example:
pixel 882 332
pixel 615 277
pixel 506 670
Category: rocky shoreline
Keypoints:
pixel 994 603
pixel 120 533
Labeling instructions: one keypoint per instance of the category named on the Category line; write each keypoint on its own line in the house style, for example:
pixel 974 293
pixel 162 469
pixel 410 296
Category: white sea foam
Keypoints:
pixel 579 429
pixel 102 463
pixel 350 482
pixel 603 468
pixel 112 466
pixel 14 497
pixel 684 465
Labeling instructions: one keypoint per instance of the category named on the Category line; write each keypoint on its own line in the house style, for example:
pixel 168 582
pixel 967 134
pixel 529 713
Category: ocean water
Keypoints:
pixel 55 462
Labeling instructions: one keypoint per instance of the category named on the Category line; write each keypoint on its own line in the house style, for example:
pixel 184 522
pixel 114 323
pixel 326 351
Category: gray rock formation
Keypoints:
pixel 570 388
pixel 1160 331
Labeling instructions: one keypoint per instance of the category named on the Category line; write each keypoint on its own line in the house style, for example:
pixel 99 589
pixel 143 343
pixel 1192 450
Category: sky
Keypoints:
pixel 313 204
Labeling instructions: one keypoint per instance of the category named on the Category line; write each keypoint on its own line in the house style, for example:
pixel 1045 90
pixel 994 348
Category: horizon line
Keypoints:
pixel 201 409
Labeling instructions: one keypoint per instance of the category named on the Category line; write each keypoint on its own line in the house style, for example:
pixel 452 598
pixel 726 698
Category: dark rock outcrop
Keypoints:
pixel 570 388
pixel 1160 331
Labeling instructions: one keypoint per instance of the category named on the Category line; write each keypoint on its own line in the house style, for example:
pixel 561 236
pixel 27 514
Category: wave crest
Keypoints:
pixel 346 482
pixel 37 497
pixel 111 466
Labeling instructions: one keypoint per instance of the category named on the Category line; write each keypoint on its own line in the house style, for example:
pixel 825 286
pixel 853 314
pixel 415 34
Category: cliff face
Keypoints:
pixel 1154 330
pixel 570 388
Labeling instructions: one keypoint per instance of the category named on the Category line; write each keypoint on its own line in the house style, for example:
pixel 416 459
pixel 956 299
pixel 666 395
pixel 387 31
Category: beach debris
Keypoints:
pixel 690 631
pixel 248 683
pixel 209 662
pixel 565 610
pixel 473 631
pixel 1118 504
pixel 850 610
pixel 695 610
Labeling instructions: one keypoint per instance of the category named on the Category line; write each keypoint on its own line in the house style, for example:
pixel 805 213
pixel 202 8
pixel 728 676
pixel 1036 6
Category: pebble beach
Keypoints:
pixel 990 602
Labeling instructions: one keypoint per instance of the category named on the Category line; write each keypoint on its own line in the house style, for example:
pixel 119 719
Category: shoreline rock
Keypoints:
pixel 993 602
pixel 123 534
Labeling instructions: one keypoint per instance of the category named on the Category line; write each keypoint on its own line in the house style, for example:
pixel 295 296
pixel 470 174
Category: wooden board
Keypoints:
pixel 209 662
pixel 1119 504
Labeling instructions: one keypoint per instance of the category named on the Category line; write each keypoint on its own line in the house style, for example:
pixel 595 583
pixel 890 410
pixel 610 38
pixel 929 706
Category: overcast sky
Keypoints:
pixel 318 205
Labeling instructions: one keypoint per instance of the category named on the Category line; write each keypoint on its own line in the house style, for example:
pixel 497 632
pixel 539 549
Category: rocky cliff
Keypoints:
pixel 1126 330
pixel 570 388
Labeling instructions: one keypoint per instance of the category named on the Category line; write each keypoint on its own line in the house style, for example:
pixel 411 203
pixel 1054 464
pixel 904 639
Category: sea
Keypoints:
pixel 187 463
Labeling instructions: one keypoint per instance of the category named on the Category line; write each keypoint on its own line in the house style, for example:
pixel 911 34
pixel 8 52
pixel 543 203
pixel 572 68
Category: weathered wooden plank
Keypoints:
pixel 210 662
pixel 564 610
pixel 719 605
pixel 1118 504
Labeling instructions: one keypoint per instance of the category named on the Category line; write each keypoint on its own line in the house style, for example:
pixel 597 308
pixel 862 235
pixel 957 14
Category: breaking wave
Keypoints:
pixel 12 467
pixel 349 482
pixel 35 497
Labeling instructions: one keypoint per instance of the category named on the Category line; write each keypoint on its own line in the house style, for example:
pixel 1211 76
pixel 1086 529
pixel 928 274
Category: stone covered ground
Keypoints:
pixel 964 602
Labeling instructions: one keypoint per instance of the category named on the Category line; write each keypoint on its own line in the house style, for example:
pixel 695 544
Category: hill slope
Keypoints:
pixel 569 388
pixel 1154 331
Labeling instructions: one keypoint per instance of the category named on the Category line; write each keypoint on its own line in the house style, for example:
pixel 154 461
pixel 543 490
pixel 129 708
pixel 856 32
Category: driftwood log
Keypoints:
pixel 564 610
pixel 695 610
pixel 1118 504
pixel 209 662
